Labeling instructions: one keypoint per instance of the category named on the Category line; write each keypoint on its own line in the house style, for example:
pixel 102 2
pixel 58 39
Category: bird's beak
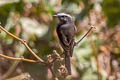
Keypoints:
pixel 55 16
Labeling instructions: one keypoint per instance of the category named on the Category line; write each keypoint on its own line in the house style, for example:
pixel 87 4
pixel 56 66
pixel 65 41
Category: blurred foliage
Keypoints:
pixel 111 9
pixel 97 57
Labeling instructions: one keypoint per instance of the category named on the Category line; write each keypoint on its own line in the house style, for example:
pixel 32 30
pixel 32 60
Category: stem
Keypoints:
pixel 84 36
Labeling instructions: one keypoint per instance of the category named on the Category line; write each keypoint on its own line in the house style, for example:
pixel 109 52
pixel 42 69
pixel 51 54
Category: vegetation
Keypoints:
pixel 29 47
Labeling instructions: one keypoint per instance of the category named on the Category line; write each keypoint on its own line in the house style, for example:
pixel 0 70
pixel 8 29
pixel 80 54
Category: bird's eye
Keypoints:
pixel 62 16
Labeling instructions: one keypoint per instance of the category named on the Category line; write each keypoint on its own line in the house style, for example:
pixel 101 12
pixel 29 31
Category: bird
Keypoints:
pixel 66 31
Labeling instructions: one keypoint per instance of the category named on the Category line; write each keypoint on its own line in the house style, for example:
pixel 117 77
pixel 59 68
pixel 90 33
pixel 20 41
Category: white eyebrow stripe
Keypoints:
pixel 64 14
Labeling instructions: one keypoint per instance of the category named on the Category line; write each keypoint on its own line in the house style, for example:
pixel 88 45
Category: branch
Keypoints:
pixel 84 35
pixel 27 60
pixel 58 56
pixel 53 73
pixel 18 59
pixel 49 65
pixel 24 42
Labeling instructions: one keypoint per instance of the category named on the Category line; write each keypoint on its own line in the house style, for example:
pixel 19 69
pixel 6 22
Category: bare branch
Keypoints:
pixel 24 42
pixel 84 35
pixel 50 63
pixel 53 73
pixel 27 60
pixel 18 59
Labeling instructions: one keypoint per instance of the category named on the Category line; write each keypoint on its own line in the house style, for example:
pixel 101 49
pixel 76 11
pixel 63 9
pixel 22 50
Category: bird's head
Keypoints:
pixel 63 17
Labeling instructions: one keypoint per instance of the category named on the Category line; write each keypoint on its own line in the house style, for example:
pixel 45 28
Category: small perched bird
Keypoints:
pixel 66 31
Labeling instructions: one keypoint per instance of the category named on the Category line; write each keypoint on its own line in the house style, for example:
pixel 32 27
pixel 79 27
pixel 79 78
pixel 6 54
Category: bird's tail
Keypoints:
pixel 67 63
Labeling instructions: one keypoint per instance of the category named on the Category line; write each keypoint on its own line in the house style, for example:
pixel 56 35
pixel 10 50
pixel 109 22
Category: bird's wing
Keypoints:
pixel 67 43
pixel 71 47
pixel 63 39
pixel 66 37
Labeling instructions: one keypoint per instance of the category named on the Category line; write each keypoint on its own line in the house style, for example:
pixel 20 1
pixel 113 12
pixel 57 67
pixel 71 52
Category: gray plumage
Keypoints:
pixel 66 31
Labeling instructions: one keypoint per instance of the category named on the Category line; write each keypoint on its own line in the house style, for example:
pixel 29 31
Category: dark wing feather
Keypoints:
pixel 62 38
pixel 72 47
pixel 66 37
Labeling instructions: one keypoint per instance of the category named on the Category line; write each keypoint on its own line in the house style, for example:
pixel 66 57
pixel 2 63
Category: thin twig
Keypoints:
pixel 53 73
pixel 18 59
pixel 84 36
pixel 24 42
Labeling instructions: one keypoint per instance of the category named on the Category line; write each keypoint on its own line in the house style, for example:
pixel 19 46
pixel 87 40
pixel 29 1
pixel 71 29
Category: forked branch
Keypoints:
pixel 50 64
pixel 24 42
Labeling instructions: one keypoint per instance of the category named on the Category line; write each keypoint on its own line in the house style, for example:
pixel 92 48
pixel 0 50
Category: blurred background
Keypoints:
pixel 97 57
